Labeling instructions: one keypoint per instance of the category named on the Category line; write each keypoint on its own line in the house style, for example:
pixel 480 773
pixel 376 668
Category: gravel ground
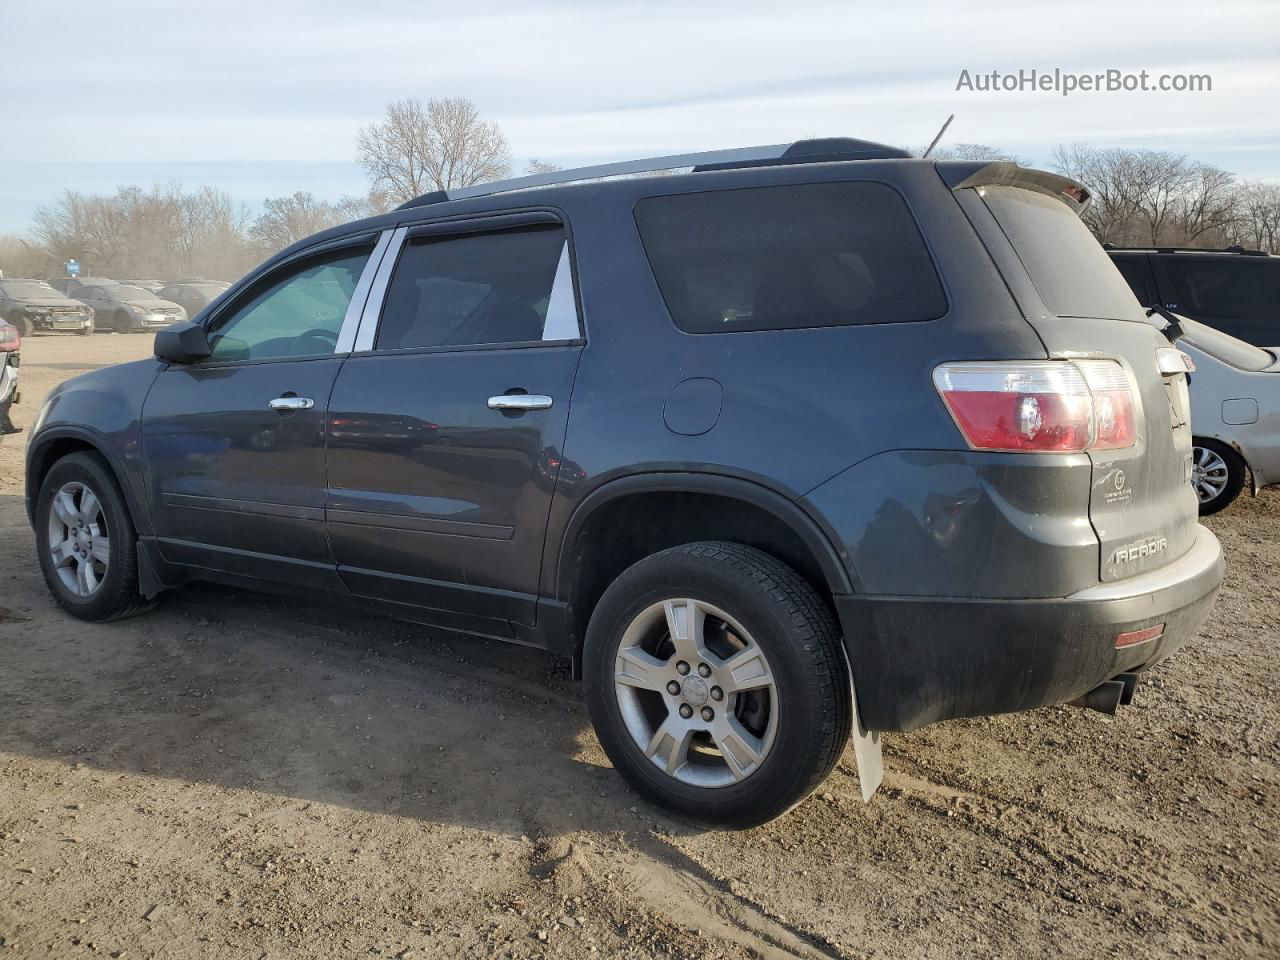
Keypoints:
pixel 239 776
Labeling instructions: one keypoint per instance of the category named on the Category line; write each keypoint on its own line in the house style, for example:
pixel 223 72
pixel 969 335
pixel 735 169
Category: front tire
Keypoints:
pixel 85 540
pixel 1217 475
pixel 715 683
pixel 22 323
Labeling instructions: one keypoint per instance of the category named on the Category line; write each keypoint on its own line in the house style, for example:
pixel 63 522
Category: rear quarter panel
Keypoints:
pixel 799 406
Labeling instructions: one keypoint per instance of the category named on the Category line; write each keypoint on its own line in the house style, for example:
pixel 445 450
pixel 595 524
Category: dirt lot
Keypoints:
pixel 239 776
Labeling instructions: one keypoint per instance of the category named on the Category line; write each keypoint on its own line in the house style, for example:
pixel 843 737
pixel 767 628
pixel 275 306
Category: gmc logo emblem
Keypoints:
pixel 1139 550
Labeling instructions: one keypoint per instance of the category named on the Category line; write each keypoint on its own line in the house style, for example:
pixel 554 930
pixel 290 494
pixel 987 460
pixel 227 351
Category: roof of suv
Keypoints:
pixel 1235 249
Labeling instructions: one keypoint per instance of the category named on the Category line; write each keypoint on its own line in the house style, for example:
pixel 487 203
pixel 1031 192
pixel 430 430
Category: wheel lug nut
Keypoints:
pixel 717 693
pixel 708 714
pixel 682 668
pixel 686 711
pixel 673 688
pixel 704 670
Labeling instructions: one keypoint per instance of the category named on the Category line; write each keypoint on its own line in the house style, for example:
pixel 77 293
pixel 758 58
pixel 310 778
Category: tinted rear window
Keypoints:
pixel 1237 294
pixel 479 288
pixel 783 258
pixel 1070 270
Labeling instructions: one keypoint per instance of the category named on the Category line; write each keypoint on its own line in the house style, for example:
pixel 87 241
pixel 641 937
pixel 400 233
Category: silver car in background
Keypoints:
pixel 127 309
pixel 1235 415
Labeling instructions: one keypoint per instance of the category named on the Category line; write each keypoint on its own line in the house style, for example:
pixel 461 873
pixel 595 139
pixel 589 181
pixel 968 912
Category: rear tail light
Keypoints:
pixel 1041 406
pixel 10 339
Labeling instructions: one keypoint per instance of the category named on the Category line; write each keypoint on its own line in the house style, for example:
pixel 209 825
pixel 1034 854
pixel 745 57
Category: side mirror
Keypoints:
pixel 182 342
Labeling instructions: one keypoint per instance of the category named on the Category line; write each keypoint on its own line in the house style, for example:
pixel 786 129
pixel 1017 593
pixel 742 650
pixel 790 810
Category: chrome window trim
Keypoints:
pixel 355 309
pixel 372 309
pixel 562 321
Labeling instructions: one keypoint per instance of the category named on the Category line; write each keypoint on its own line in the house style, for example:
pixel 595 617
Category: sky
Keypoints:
pixel 266 98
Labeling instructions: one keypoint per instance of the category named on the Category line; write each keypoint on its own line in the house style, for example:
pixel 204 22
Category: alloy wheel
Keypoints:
pixel 1209 474
pixel 79 541
pixel 696 693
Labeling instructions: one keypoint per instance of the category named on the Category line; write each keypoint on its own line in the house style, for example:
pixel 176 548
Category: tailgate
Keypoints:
pixel 1142 506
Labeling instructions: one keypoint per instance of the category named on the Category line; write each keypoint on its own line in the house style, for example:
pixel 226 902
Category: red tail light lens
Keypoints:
pixel 1040 406
pixel 1115 415
pixel 10 339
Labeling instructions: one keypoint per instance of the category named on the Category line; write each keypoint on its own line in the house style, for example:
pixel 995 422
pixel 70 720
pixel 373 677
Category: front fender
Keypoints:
pixel 102 410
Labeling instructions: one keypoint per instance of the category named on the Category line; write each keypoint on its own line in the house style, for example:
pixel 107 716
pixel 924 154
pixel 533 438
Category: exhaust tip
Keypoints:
pixel 1104 698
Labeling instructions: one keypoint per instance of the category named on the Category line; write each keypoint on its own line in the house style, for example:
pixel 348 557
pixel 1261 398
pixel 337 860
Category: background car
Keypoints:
pixel 69 285
pixel 152 285
pixel 32 305
pixel 193 295
pixel 1235 415
pixel 10 343
pixel 127 309
pixel 1234 290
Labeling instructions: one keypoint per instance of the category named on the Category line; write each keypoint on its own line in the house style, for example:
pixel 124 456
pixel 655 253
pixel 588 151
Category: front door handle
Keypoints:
pixel 284 404
pixel 519 401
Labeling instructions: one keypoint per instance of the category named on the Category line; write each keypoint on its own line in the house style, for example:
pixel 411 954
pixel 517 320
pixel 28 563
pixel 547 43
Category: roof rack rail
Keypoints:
pixel 1152 248
pixel 831 149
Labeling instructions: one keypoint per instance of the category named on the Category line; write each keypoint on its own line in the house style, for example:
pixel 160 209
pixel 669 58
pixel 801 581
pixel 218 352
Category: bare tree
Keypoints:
pixel 1208 205
pixel 441 146
pixel 972 151
pixel 541 166
pixel 1257 223
pixel 286 220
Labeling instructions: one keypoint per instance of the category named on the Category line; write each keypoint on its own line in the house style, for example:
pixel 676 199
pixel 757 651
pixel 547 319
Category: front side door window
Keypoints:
pixel 294 313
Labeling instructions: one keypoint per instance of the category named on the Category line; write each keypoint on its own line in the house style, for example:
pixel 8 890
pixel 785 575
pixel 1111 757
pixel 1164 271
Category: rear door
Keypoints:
pixel 234 445
pixel 447 423
pixel 1141 505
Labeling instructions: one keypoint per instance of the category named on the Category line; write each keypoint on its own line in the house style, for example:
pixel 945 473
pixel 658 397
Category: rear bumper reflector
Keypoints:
pixel 1135 637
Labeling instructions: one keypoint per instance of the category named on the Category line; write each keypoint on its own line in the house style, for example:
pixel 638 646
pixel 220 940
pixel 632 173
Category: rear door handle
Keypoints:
pixel 519 401
pixel 283 404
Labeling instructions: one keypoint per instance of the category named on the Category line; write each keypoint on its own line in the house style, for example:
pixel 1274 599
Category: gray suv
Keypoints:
pixel 802 441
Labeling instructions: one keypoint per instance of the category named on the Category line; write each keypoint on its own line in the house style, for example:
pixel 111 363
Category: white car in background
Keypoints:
pixel 1235 415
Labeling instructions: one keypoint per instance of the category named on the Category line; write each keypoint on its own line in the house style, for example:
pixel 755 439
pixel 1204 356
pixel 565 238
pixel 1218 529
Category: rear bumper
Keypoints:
pixel 917 660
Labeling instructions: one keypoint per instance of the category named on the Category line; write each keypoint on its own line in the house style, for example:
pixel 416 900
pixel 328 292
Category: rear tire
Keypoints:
pixel 86 542
pixel 762 680
pixel 1218 475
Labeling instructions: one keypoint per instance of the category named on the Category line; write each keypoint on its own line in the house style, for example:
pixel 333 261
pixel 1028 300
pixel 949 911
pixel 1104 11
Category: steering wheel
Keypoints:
pixel 318 340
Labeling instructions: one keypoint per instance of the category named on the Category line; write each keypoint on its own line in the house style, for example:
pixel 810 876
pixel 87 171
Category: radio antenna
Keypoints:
pixel 938 137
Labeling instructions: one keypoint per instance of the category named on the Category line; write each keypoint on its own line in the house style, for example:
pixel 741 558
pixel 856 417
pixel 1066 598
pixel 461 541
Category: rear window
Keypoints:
pixel 1072 273
pixel 488 288
pixel 1236 294
pixel 784 258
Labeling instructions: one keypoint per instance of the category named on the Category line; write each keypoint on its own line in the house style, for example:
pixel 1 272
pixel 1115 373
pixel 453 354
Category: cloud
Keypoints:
pixel 143 91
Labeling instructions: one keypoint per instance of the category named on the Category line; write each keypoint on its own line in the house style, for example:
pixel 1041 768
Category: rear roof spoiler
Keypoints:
pixel 965 176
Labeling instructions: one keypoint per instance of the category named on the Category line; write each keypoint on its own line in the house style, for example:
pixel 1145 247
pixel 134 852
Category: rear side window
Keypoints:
pixel 508 287
pixel 1072 273
pixel 784 258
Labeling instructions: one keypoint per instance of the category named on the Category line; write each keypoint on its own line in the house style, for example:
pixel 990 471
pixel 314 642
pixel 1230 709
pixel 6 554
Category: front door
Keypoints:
pixel 234 446
pixel 445 435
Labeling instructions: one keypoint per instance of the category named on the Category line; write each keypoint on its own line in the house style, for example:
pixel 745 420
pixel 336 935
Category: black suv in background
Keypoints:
pixel 1234 290
pixel 804 440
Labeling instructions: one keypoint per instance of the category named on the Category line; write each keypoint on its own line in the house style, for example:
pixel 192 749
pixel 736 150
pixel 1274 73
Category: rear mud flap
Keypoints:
pixel 867 754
